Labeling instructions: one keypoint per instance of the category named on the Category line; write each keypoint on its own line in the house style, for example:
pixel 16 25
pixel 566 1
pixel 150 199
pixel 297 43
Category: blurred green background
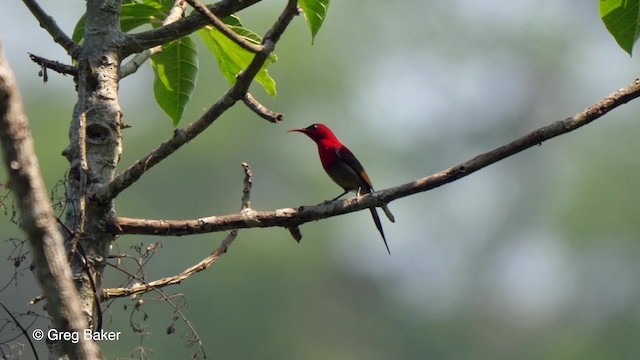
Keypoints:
pixel 535 257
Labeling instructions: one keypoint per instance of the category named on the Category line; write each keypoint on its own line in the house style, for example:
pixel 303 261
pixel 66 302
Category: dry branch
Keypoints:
pixel 290 218
pixel 261 110
pixel 49 24
pixel 139 288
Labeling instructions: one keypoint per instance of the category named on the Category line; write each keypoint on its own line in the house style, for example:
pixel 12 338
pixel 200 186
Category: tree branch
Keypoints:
pixel 134 64
pixel 135 43
pixel 183 136
pixel 223 28
pixel 38 218
pixel 290 218
pixel 139 288
pixel 49 24
pixel 53 65
pixel 261 110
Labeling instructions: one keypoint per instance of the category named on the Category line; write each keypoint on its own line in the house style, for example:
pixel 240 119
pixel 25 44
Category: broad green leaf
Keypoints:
pixel 176 71
pixel 234 23
pixel 164 5
pixel 132 15
pixel 232 58
pixel 622 19
pixel 315 11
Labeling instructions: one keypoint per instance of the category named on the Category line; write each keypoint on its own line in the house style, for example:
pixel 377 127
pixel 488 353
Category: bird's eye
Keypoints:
pixel 313 127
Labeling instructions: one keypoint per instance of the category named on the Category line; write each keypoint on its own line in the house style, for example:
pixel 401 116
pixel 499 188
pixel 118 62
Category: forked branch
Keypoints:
pixel 183 136
pixel 136 43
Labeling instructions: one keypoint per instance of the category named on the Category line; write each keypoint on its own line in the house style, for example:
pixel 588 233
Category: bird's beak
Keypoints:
pixel 297 130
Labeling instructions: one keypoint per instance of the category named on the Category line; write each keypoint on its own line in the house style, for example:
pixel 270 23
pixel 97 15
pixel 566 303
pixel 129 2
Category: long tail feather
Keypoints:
pixel 376 220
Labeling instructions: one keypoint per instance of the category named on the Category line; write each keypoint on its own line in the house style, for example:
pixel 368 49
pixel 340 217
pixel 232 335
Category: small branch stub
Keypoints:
pixel 261 110
pixel 246 192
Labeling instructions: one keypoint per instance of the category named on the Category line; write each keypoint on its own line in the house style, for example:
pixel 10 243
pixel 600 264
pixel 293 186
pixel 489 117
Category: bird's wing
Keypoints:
pixel 348 158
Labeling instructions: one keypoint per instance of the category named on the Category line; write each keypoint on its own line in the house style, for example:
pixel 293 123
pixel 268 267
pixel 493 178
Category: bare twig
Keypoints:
pixel 53 65
pixel 261 110
pixel 48 23
pixel 38 218
pixel 22 330
pixel 140 288
pixel 223 28
pixel 290 218
pixel 143 287
pixel 235 93
pixel 246 192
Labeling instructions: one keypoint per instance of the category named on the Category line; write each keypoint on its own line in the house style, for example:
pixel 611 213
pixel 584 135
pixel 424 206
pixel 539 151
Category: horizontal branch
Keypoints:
pixel 291 218
pixel 136 43
pixel 56 66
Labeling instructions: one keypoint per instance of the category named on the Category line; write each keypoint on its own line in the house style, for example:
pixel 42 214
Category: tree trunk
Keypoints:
pixel 93 152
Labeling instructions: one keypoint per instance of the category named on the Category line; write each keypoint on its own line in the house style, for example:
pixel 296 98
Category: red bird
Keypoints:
pixel 344 168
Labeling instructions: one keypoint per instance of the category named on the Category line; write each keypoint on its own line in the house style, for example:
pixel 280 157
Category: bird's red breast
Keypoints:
pixel 337 160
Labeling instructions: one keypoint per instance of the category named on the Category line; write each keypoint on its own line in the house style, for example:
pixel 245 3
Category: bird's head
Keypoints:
pixel 316 132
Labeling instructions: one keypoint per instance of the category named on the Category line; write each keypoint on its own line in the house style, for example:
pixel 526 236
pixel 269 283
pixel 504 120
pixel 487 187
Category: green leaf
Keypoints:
pixel 315 11
pixel 622 19
pixel 164 5
pixel 232 58
pixel 234 23
pixel 132 15
pixel 176 71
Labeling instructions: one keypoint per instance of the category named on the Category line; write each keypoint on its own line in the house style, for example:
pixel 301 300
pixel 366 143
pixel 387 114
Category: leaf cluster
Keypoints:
pixel 176 67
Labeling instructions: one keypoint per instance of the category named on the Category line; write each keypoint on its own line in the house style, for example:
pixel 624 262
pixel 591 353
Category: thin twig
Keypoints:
pixel 49 24
pixel 136 43
pixel 292 217
pixel 143 287
pixel 58 67
pixel 246 191
pixel 180 138
pixel 22 330
pixel 140 288
pixel 134 64
pixel 261 110
pixel 223 28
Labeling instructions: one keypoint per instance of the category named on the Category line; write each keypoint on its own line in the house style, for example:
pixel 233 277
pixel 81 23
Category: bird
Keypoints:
pixel 344 169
